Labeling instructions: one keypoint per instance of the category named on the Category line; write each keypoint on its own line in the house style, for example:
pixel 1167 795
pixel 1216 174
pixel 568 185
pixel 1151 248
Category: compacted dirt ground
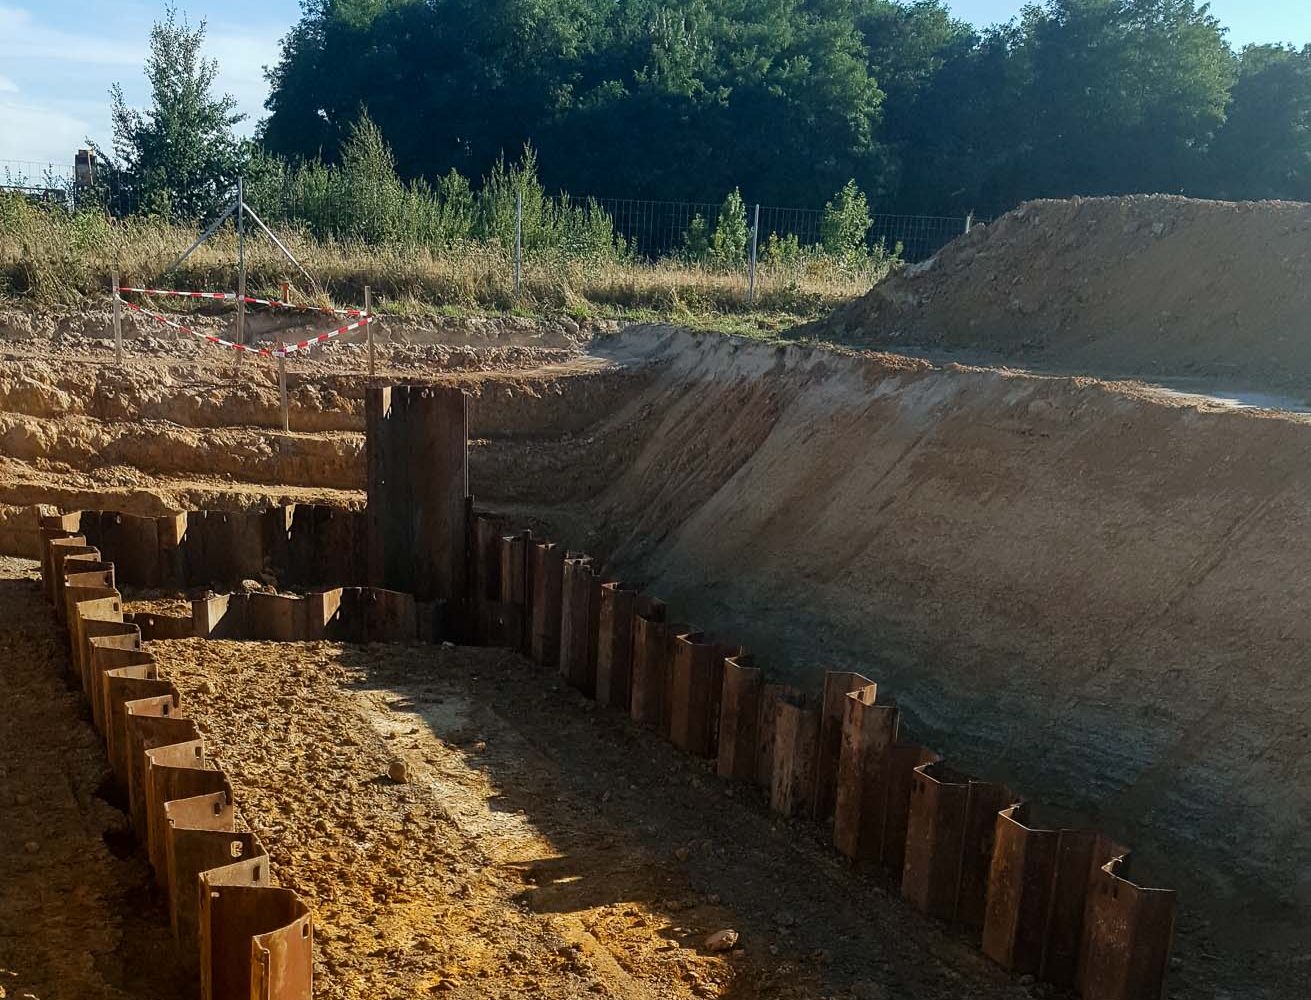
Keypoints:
pixel 537 846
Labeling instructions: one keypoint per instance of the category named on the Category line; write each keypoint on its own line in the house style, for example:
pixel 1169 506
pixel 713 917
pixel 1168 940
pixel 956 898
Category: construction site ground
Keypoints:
pixel 534 846
pixel 1093 591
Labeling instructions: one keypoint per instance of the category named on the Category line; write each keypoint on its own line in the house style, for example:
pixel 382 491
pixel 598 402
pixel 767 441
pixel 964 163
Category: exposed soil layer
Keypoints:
pixel 1093 591
pixel 1148 286
pixel 78 916
pixel 537 846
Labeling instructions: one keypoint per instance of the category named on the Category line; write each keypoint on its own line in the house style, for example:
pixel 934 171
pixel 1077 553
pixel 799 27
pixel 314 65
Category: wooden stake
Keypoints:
pixel 368 312
pixel 118 319
pixel 282 392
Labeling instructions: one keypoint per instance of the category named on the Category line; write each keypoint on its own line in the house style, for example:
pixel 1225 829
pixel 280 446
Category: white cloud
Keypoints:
pixel 21 37
pixel 39 133
pixel 7 86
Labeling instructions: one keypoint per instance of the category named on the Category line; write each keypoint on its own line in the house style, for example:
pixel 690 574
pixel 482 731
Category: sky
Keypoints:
pixel 58 58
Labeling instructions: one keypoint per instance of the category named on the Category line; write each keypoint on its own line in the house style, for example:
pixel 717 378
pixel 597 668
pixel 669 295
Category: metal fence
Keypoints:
pixel 659 228
pixel 650 228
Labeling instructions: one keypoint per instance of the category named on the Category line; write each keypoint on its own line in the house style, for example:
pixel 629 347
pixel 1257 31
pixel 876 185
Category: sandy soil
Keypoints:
pixel 1152 287
pixel 79 919
pixel 539 847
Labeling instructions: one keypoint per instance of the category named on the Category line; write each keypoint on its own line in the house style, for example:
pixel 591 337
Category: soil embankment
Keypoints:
pixel 1150 287
pixel 1091 590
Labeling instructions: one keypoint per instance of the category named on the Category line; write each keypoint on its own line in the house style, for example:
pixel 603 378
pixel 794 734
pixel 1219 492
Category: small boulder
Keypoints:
pixel 722 940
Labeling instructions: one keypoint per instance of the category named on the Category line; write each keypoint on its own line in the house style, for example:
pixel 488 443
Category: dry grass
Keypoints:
pixel 50 258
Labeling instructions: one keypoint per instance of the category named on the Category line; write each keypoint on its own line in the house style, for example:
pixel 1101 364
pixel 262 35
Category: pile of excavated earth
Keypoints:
pixel 1094 591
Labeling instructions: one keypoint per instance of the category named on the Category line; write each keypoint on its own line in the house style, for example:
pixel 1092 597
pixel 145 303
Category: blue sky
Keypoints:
pixel 59 57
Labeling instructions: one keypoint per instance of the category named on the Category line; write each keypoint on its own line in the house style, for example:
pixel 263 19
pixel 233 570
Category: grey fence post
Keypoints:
pixel 518 241
pixel 241 269
pixel 969 222
pixel 751 274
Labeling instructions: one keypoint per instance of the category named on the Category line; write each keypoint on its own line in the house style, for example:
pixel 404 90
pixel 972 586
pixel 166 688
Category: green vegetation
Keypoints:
pixel 786 100
pixel 53 257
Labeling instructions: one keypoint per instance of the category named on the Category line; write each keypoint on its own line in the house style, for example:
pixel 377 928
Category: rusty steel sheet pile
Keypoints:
pixel 1051 903
pixel 246 938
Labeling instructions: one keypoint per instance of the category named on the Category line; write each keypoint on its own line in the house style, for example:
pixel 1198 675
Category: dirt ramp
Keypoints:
pixel 1149 286
pixel 1089 590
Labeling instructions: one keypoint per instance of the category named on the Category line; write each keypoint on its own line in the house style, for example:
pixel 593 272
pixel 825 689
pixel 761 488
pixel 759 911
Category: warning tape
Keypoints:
pixel 234 297
pixel 301 346
pixel 196 333
pixel 306 345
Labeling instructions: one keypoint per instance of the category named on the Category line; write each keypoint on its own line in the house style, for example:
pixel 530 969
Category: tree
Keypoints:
pixel 1264 148
pixel 845 224
pixel 180 157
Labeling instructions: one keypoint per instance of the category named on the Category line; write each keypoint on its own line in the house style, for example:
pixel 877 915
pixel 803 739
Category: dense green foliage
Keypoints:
pixel 787 100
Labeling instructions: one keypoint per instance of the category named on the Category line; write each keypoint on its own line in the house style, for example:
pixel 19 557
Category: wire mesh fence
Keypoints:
pixel 650 229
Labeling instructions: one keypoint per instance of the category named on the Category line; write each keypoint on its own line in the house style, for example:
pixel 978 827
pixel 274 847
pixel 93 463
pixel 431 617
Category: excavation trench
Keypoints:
pixel 1090 591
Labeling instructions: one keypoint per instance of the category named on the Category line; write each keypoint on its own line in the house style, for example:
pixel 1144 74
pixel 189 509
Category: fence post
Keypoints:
pixel 751 275
pixel 118 319
pixel 241 268
pixel 518 241
pixel 969 221
pixel 368 327
pixel 282 388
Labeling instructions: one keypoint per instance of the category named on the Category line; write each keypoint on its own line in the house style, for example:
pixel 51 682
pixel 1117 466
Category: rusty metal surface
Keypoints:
pixel 546 578
pixel 113 653
pixel 123 685
pixel 892 802
pixel 796 745
pixel 180 807
pixel 869 731
pixel 650 642
pixel 696 692
pixel 766 722
pixel 151 722
pixel 486 531
pixel 256 942
pixel 1037 892
pixel 739 718
pixel 579 623
pixel 176 771
pixel 935 834
pixel 949 837
pixel 91 635
pixel 832 707
pixel 1128 930
pixel 516 591
pixel 199 834
pixel 614 645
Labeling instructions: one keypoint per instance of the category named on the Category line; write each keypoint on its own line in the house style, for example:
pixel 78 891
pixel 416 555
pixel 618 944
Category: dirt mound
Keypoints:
pixel 1148 286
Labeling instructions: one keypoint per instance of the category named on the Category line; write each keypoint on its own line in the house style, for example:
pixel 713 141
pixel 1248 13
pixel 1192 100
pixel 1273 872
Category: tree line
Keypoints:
pixel 788 100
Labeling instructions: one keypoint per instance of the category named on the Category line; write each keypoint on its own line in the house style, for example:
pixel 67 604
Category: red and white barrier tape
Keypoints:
pixel 196 333
pixel 301 346
pixel 306 345
pixel 233 297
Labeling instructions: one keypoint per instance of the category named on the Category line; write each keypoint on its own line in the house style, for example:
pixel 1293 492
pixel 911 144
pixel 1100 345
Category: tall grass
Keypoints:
pixel 426 248
pixel 51 256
